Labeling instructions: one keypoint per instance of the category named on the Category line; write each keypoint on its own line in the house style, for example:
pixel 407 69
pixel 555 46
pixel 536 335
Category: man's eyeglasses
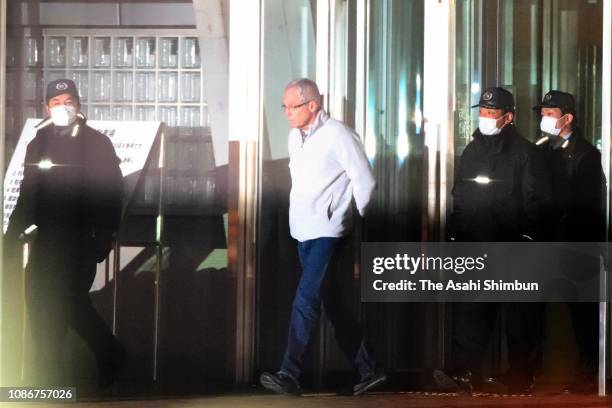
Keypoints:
pixel 293 108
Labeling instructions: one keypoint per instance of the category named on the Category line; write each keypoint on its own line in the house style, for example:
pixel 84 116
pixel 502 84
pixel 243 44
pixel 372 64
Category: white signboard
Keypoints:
pixel 132 140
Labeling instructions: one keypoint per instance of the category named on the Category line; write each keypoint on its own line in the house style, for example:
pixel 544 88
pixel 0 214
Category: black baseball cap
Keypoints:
pixel 61 86
pixel 496 98
pixel 558 99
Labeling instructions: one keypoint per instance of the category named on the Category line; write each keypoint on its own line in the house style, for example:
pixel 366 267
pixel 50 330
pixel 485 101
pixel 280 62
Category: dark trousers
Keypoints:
pixel 474 324
pixel 57 296
pixel 585 320
pixel 320 286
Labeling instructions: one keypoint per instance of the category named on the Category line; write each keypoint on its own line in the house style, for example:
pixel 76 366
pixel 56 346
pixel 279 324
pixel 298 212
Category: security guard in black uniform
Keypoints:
pixel 71 195
pixel 578 186
pixel 499 195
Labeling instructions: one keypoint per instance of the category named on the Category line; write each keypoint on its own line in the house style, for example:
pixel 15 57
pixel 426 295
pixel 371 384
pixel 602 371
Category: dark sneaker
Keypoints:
pixel 279 384
pixel 507 384
pixel 369 383
pixel 453 381
pixel 582 383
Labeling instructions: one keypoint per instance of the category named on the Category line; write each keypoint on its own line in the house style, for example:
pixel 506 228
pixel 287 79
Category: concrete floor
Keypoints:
pixel 375 400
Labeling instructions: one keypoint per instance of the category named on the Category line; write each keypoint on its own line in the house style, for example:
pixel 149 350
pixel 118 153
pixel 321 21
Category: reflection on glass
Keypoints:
pixel 170 195
pixel 170 154
pixel 167 86
pixel 151 190
pixel 208 156
pixel 100 113
pixel 53 75
pixel 30 52
pixel 81 80
pixel 11 53
pixel 168 115
pixel 145 52
pixel 168 52
pixel 209 188
pixel 145 113
pixel 145 86
pixel 79 51
pixel 189 190
pixel 123 86
pixel 29 86
pixel 124 52
pixel 191 53
pixel 102 49
pixel 393 115
pixel 122 113
pixel 187 156
pixel 205 116
pixel 30 112
pixel 190 116
pixel 10 120
pixel 101 86
pixel 56 52
pixel 190 87
pixel 205 190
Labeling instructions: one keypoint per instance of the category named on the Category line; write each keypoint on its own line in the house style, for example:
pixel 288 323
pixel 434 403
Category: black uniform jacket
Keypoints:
pixel 578 185
pixel 512 197
pixel 76 203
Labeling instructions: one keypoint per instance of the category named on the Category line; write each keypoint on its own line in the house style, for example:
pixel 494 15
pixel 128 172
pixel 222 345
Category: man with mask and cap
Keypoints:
pixel 71 195
pixel 578 186
pixel 498 196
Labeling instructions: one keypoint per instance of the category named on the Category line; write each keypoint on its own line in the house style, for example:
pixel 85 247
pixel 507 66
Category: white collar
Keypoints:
pixel 321 118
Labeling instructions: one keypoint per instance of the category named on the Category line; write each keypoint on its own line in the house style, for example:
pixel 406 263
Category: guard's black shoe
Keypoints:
pixel 369 383
pixel 280 384
pixel 582 383
pixel 453 381
pixel 509 384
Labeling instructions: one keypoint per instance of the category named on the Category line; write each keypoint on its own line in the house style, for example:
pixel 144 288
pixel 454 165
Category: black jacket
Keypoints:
pixel 513 203
pixel 578 186
pixel 78 200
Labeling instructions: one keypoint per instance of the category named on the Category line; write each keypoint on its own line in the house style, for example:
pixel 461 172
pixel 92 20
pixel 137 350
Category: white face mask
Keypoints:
pixel 63 115
pixel 488 126
pixel 548 125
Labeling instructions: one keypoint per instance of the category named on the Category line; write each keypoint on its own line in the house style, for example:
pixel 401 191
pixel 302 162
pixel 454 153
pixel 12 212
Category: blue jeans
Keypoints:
pixel 319 286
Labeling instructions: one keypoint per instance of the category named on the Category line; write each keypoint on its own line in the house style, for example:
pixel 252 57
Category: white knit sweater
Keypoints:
pixel 328 168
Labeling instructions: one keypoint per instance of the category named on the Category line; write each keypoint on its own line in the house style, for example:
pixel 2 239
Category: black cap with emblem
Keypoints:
pixel 496 98
pixel 61 86
pixel 558 99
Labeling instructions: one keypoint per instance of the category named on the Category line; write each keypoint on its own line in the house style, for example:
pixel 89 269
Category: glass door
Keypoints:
pixel 530 47
pixel 395 145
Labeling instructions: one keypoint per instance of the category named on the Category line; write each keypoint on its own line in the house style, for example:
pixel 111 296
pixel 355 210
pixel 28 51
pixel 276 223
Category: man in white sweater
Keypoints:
pixel 329 169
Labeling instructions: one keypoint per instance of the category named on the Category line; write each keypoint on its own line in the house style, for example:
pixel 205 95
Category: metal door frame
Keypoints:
pixel 2 153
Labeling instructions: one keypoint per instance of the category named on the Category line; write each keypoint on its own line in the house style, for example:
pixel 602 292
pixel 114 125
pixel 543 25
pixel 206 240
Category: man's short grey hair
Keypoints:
pixel 307 89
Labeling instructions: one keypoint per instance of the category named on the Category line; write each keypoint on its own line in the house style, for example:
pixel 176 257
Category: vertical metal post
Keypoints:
pixel 603 329
pixel 323 49
pixel 2 141
pixel 606 127
pixel 361 68
pixel 438 108
pixel 25 254
pixel 158 257
pixel 245 132
pixel 116 268
pixel 159 224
